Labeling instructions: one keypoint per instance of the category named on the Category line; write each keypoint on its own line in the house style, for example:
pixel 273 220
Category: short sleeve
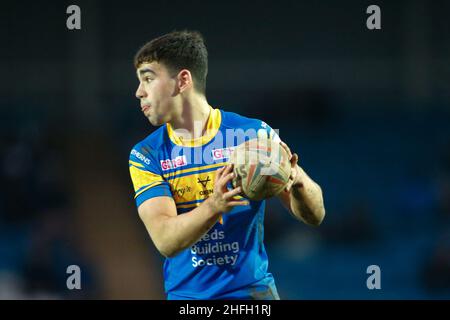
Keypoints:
pixel 146 176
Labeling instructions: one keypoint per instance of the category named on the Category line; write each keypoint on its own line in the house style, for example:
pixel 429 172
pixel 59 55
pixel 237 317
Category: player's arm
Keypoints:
pixel 302 196
pixel 172 233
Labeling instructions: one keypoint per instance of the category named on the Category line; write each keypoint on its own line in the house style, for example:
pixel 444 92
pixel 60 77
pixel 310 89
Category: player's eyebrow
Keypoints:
pixel 145 70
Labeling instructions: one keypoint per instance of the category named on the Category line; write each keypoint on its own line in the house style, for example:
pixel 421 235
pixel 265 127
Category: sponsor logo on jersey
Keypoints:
pixel 182 191
pixel 223 153
pixel 179 161
pixel 140 156
pixel 204 183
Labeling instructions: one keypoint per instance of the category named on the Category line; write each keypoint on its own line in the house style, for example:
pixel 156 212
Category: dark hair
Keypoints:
pixel 178 50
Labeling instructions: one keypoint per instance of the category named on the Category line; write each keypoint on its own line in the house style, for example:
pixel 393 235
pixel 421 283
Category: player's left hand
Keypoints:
pixel 295 177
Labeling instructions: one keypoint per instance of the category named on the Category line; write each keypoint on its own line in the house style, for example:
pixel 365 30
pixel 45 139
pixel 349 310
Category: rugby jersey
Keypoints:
pixel 230 260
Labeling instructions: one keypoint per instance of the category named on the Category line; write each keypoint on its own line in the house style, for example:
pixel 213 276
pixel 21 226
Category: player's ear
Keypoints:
pixel 184 78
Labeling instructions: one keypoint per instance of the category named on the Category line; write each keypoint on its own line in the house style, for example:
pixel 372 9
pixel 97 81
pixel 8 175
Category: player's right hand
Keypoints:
pixel 222 199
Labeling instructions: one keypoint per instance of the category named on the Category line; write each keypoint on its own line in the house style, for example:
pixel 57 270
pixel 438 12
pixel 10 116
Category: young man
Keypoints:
pixel 212 237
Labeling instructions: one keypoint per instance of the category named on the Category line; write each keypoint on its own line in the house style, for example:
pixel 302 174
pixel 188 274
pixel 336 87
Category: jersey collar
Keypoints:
pixel 212 127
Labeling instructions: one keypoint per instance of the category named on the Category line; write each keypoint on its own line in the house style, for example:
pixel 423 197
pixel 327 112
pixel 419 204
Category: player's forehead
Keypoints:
pixel 153 67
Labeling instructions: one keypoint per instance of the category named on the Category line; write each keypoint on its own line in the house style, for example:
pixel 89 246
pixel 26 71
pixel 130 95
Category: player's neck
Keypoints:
pixel 191 121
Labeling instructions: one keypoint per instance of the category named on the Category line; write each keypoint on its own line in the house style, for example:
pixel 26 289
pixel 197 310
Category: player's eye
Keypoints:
pixel 147 79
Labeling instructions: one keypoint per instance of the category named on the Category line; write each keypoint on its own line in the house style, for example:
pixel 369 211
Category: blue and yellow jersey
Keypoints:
pixel 230 261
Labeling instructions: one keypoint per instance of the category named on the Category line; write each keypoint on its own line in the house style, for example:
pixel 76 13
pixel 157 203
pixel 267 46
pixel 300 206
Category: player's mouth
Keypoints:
pixel 145 107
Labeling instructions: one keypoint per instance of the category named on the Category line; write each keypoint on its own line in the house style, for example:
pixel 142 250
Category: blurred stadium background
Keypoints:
pixel 367 111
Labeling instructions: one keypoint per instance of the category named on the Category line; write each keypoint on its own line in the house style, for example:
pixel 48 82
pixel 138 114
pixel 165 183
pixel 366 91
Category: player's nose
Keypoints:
pixel 140 92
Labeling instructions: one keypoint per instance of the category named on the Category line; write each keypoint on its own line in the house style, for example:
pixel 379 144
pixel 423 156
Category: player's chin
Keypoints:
pixel 155 121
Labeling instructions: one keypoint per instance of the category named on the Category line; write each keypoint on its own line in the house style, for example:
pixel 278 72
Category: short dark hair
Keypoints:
pixel 178 50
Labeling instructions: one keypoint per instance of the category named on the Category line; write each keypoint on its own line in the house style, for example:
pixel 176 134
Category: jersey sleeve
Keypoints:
pixel 146 176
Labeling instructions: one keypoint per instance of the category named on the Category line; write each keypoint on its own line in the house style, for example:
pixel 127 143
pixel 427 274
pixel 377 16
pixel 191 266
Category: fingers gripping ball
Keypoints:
pixel 261 168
